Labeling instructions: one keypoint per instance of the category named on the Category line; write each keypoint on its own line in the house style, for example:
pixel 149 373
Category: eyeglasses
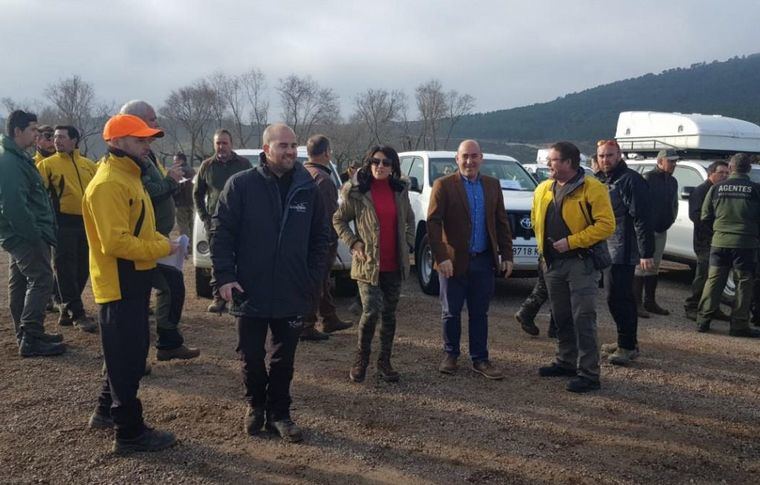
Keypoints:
pixel 384 161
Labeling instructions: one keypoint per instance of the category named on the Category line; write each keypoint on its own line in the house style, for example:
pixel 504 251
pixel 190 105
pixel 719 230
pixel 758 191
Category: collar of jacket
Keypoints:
pixel 9 144
pixel 123 159
pixel 324 168
pixel 300 175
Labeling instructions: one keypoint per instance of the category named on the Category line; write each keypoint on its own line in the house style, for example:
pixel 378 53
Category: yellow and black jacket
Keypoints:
pixel 586 210
pixel 121 230
pixel 66 176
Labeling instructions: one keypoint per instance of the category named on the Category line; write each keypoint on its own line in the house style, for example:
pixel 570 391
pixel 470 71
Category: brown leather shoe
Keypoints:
pixel 486 369
pixel 182 353
pixel 448 364
pixel 359 370
pixel 335 324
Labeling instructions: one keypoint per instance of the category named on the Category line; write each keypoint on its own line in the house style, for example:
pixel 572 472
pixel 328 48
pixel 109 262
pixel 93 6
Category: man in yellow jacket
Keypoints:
pixel 66 175
pixel 571 213
pixel 124 246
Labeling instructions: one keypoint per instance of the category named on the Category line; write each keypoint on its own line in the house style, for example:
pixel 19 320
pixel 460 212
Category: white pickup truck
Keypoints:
pixel 202 254
pixel 423 167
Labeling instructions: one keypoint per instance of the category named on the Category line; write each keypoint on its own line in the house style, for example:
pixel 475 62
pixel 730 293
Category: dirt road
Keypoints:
pixel 687 412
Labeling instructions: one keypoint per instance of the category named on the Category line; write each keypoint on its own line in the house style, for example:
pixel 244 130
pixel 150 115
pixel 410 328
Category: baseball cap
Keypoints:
pixel 669 154
pixel 119 126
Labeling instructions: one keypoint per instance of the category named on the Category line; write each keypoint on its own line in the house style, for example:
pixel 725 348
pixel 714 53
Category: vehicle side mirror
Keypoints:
pixel 686 192
pixel 414 184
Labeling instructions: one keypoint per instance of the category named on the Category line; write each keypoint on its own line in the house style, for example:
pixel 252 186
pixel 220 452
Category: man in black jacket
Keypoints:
pixel 269 248
pixel 632 244
pixel 663 196
pixel 716 172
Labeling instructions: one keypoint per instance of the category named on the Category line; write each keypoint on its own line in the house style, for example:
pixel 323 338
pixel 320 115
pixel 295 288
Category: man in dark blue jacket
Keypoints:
pixel 632 244
pixel 269 254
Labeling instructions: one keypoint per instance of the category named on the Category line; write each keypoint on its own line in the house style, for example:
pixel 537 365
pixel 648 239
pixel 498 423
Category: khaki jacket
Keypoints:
pixel 360 209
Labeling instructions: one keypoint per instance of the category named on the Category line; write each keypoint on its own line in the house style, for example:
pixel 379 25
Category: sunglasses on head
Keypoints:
pixel 47 135
pixel 384 161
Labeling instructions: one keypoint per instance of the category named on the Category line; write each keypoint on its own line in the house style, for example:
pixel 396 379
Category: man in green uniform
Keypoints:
pixel 733 208
pixel 212 175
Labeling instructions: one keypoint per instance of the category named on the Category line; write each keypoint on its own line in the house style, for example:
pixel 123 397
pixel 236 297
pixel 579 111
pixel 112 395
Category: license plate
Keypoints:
pixel 528 251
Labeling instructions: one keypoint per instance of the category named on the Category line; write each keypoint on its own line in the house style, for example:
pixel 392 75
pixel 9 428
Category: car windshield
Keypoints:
pixel 511 174
pixel 754 174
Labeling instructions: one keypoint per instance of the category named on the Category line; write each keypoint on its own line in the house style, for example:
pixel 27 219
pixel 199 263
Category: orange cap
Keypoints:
pixel 119 126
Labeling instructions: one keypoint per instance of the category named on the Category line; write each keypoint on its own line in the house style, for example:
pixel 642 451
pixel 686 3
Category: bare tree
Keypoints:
pixel 74 102
pixel 377 109
pixel 254 85
pixel 457 106
pixel 193 108
pixel 230 92
pixel 431 103
pixel 306 104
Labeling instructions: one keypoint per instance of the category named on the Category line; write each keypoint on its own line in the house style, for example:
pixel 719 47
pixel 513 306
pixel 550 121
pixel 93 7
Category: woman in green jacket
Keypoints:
pixel 378 204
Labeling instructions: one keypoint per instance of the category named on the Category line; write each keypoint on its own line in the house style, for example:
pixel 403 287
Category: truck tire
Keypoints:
pixel 203 283
pixel 426 275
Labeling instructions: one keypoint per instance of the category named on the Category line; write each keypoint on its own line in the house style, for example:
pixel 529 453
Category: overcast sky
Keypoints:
pixel 506 53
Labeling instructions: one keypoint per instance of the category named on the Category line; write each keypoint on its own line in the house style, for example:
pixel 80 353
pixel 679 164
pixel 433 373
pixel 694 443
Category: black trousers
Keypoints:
pixel 170 301
pixel 268 388
pixel 125 335
pixel 72 267
pixel 619 282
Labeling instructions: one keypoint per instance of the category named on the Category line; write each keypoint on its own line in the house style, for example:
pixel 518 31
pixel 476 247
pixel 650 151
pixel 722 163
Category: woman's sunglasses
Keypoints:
pixel 384 161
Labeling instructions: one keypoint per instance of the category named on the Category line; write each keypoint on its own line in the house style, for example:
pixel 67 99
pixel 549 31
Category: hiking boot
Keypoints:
pixel 386 371
pixel 51 338
pixel 335 324
pixel 448 364
pixel 149 440
pixel 581 384
pixel 359 370
pixel 720 316
pixel 527 324
pixel 609 348
pixel 85 324
pixel 691 314
pixel 219 305
pixel 486 369
pixel 641 311
pixel 745 332
pixel 313 335
pixel 182 353
pixel 703 327
pixel 556 370
pixel 100 421
pixel 286 428
pixel 34 347
pixel 254 420
pixel 65 319
pixel 623 356
pixel 652 307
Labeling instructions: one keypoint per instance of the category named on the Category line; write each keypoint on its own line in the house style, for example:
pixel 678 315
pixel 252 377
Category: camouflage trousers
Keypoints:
pixel 379 302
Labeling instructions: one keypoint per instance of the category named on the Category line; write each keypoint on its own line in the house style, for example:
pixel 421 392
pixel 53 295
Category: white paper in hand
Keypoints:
pixel 177 260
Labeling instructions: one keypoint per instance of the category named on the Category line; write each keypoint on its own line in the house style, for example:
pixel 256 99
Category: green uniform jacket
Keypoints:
pixel 733 208
pixel 212 175
pixel 359 208
pixel 26 216
pixel 161 188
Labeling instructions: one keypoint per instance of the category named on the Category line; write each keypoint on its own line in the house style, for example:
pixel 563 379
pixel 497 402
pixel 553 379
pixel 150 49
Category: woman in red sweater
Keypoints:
pixel 378 204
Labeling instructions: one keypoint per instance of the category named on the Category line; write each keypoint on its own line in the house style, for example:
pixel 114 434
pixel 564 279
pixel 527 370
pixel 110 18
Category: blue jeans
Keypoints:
pixel 476 288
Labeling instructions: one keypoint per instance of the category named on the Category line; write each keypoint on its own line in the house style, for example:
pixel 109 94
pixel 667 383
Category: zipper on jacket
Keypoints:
pixel 76 169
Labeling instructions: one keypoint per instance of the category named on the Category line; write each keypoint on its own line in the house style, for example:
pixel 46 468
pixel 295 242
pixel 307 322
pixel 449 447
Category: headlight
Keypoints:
pixel 202 247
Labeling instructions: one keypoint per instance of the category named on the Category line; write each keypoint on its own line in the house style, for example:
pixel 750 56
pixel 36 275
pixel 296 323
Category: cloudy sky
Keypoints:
pixel 505 53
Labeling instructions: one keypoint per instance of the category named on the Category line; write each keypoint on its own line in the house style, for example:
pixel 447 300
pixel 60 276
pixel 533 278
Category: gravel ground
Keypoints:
pixel 686 412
